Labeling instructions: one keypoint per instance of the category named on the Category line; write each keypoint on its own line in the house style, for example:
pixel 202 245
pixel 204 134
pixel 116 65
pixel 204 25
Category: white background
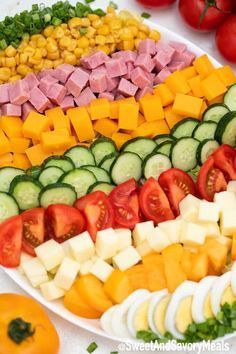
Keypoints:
pixel 73 339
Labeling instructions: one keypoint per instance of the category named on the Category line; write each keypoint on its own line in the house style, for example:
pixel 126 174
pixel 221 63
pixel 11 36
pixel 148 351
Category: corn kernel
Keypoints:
pixel 40 66
pixel 126 34
pixel 64 42
pixel 91 32
pixel 155 35
pixel 41 42
pixel 44 52
pixel 23 69
pixel 48 64
pixel 64 26
pixel 10 62
pixel 92 42
pixel 10 51
pixel 78 52
pixel 29 50
pixel 17 58
pixel 33 44
pixel 132 22
pixel 5 74
pixel 142 35
pixel 128 45
pixel 134 30
pixel 144 28
pixel 57 62
pixel 75 33
pixel 83 42
pixel 70 58
pixel 73 44
pixel 103 30
pixel 24 58
pixel 97 23
pixel 115 24
pixel 51 47
pixel 75 22
pixel 85 22
pixel 48 31
pixel 93 17
pixel 54 55
pixel 110 39
pixel 34 61
pixel 58 32
pixel 104 48
pixel 15 78
pixel 37 54
pixel 2 61
pixel 101 40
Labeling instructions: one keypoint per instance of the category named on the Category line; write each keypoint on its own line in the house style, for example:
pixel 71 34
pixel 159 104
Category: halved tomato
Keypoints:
pixel 33 229
pixel 98 212
pixel 63 222
pixel 11 242
pixel 154 203
pixel 224 160
pixel 210 180
pixel 176 184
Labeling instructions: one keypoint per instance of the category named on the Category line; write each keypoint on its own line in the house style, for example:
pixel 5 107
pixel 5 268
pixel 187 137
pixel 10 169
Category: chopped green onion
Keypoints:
pixel 92 347
pixel 47 18
pixel 89 1
pixel 99 12
pixel 3 44
pixel 113 4
pixel 83 30
pixel 114 353
pixel 56 21
pixel 145 15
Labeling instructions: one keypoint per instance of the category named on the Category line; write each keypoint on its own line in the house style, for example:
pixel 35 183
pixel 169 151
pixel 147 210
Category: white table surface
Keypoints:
pixel 73 339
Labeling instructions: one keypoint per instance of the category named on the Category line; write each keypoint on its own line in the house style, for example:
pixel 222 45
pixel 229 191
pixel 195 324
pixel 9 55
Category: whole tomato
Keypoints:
pixel 205 15
pixel 226 38
pixel 156 3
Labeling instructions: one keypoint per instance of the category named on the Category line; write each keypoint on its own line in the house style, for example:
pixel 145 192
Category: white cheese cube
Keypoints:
pixel 94 258
pixel 228 221
pixel 82 247
pixel 85 267
pixel 144 249
pixel 50 291
pixel 158 239
pixel 33 268
pixel 126 258
pixel 36 281
pixel 225 200
pixel 231 187
pixel 124 237
pixel 189 208
pixel 173 229
pixel 141 231
pixel 193 234
pixel 101 269
pixel 50 253
pixel 208 211
pixel 107 243
pixel 212 228
pixel 67 249
pixel 24 257
pixel 224 240
pixel 66 273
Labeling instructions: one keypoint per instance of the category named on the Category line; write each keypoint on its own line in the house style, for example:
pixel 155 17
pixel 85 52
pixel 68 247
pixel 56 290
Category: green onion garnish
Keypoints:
pixel 89 1
pixel 99 12
pixel 83 30
pixel 113 4
pixel 92 347
pixel 3 44
pixel 145 15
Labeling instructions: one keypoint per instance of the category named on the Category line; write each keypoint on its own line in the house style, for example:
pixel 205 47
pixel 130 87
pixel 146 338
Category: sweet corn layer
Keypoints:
pixel 67 43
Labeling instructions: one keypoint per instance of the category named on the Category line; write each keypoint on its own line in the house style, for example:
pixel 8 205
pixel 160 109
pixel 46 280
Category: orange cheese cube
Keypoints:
pixel 189 72
pixel 6 159
pixel 19 145
pixel 152 107
pixel 5 146
pixel 34 125
pixel 159 127
pixel 171 117
pixel 212 86
pixel 145 129
pixel 128 115
pixel 141 119
pixel 165 94
pixel 128 99
pixel 177 83
pixel 21 161
pixel 54 141
pixel 73 143
pixel 203 66
pixel 81 123
pixel 105 127
pixel 99 108
pixel 226 75
pixel 195 84
pixel 12 126
pixel 218 99
pixel 36 154
pixel 58 119
pixel 187 106
pixel 114 110
pixel 204 107
pixel 120 138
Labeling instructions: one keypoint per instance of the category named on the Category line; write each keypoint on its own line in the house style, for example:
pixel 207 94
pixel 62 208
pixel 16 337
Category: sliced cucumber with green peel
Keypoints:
pixel 183 154
pixel 102 147
pixel 80 179
pixel 230 98
pixel 140 146
pixel 205 149
pixel 126 166
pixel 215 112
pixel 26 190
pixel 205 130
pixel 184 128
pixel 8 206
pixel 165 148
pixel 80 155
pixel 159 139
pixel 194 172
pixel 50 175
pixel 100 174
pixel 63 162
pixel 57 193
pixel 154 164
pixel 101 186
pixel 226 129
pixel 34 171
pixel 107 161
pixel 7 174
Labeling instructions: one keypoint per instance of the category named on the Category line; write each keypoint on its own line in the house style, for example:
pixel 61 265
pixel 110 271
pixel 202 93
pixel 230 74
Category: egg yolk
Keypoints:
pixel 183 316
pixel 141 317
pixel 160 314
pixel 207 310
pixel 228 296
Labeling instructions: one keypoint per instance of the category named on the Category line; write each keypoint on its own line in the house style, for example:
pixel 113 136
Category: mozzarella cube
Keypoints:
pixel 94 258
pixel 24 257
pixel 224 240
pixel 50 291
pixel 173 229
pixel 158 239
pixel 33 268
pixel 225 200
pixel 212 228
pixel 126 258
pixel 36 281
pixel 228 221
pixel 82 247
pixel 107 243
pixel 208 211
pixel 231 187
pixel 85 267
pixel 101 269
pixel 141 231
pixel 193 234
pixel 124 237
pixel 189 208
pixel 67 249
pixel 66 273
pixel 50 253
pixel 144 249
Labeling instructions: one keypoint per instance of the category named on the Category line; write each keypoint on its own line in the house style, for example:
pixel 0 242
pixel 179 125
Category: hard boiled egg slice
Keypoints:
pixel 119 317
pixel 105 320
pixel 157 311
pixel 201 305
pixel 179 310
pixel 137 317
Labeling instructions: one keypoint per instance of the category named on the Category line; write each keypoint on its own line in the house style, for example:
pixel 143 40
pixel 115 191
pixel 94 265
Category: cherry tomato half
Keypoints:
pixel 224 160
pixel 33 229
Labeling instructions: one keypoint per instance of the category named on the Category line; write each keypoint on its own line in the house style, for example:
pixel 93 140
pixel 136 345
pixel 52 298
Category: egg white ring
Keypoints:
pixel 199 298
pixel 119 316
pixel 131 313
pixel 155 299
pixel 105 320
pixel 184 290
pixel 217 291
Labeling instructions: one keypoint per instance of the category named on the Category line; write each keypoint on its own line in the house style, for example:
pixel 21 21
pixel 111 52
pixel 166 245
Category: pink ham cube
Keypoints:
pixel 188 57
pixel 31 80
pixel 176 65
pixel 45 72
pixel 98 82
pixel 26 109
pixel 46 82
pixel 143 92
pixel 119 97
pixel 126 88
pixel 67 102
pixel 4 93
pixel 57 93
pixel 127 55
pixel 161 60
pixel 108 95
pixel 116 67
pixel 178 46
pixel 85 97
pixel 139 78
pixel 147 46
pixel 94 60
pixel 38 100
pixel 19 92
pixel 63 72
pixel 112 83
pixel 130 68
pixel 77 81
pixel 9 109
pixel 101 69
pixel 163 47
pixel 162 75
pixel 145 62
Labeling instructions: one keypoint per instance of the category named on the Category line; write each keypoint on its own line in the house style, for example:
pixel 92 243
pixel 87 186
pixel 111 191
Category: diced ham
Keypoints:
pixel 67 102
pixel 26 109
pixel 4 93
pixel 188 57
pixel 19 92
pixel 63 72
pixel 57 93
pixel 94 60
pixel 162 59
pixel 46 82
pixel 85 97
pixel 147 46
pixel 101 68
pixel 176 65
pixel 38 100
pixel 77 81
pixel 108 95
pixel 163 47
pixel 116 67
pixel 143 92
pixel 98 82
pixel 145 62
pixel 31 80
pixel 178 46
pixel 119 97
pixel 139 78
pixel 9 109
pixel 126 88
pixel 130 68
pixel 45 72
pixel 112 83
pixel 128 56
pixel 162 75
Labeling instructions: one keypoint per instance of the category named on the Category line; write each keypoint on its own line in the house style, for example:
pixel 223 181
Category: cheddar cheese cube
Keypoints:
pixel 58 119
pixel 141 119
pixel 195 84
pixel 145 130
pixel 165 94
pixel 152 107
pixel 99 108
pixel 21 161
pixel 12 126
pixel 81 123
pixel 159 127
pixel 36 154
pixel 212 86
pixel 34 125
pixel 171 117
pixel 189 72
pixel 187 106
pixel 19 145
pixel 177 83
pixel 5 146
pixel 54 141
pixel 218 99
pixel 204 107
pixel 128 115
pixel 120 138
pixel 6 159
pixel 105 127
pixel 203 66
pixel 226 75
pixel 114 110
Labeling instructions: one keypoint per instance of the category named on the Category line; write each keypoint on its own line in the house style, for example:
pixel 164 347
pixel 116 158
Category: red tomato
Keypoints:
pixel 156 3
pixel 210 180
pixel 11 242
pixel 176 184
pixel 224 160
pixel 124 199
pixel 205 15
pixel 154 203
pixel 98 212
pixel 226 38
pixel 63 222
pixel 33 229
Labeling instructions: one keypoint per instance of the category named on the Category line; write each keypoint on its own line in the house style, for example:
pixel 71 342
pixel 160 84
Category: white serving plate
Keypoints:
pixel 57 306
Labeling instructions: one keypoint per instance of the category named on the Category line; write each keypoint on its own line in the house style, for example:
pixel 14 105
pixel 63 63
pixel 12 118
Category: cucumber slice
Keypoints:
pixel 164 148
pixel 100 174
pixel 63 162
pixel 80 179
pixel 205 130
pixel 26 191
pixel 50 175
pixel 34 171
pixel 107 161
pixel 140 146
pixel 80 155
pixel 57 193
pixel 194 173
pixel 230 98
pixel 101 186
pixel 7 174
pixel 215 112
pixel 127 165
pixel 8 206
pixel 184 128
pixel 183 154
pixel 155 164
pixel 226 129
pixel 205 149
pixel 102 147
pixel 159 139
